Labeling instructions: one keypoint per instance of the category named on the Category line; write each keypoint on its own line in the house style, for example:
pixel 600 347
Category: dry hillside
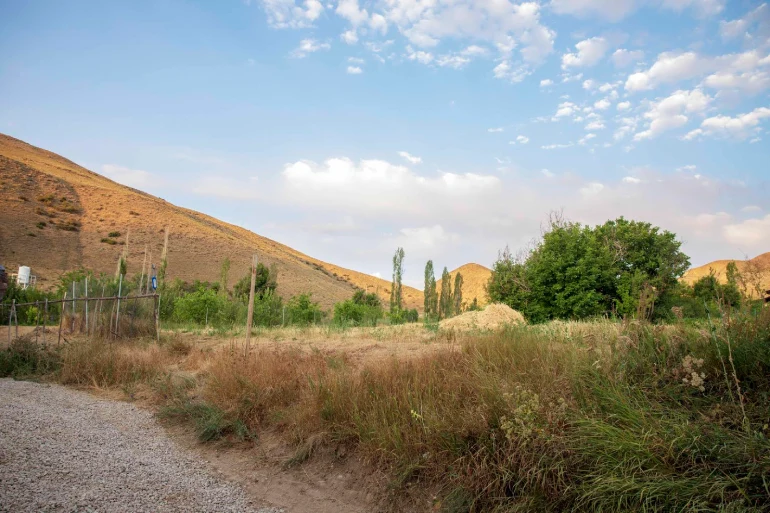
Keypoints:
pixel 754 272
pixel 475 278
pixel 54 216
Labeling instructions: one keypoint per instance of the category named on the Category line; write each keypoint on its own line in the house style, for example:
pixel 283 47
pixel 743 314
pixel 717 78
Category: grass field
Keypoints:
pixel 592 416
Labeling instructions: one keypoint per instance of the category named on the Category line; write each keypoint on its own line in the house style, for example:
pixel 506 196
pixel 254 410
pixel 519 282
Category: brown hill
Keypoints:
pixel 754 272
pixel 55 215
pixel 475 278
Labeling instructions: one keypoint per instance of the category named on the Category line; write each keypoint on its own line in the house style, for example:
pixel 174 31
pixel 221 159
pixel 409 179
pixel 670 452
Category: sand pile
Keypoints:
pixel 492 317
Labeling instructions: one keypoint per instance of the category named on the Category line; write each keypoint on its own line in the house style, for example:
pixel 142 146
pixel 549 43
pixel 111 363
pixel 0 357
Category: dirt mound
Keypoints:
pixel 492 317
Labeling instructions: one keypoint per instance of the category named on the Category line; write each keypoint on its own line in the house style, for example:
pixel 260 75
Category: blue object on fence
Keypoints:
pixel 154 283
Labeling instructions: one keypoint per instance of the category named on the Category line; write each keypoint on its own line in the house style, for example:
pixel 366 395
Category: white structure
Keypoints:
pixel 25 278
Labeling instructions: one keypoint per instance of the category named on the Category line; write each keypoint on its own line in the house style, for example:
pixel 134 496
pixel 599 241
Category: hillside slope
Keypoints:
pixel 755 272
pixel 55 214
pixel 475 278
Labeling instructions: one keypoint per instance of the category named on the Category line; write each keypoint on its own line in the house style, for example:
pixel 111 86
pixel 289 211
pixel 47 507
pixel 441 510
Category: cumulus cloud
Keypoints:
pixel 602 104
pixel 671 67
pixel 589 53
pixel 350 37
pixel 756 20
pixel 623 106
pixel 412 159
pixel 514 74
pixel 753 233
pixel 623 58
pixel 522 139
pixel 671 112
pixel 284 14
pixel 308 46
pixel 546 82
pixel 612 10
pixel 354 70
pixel 741 126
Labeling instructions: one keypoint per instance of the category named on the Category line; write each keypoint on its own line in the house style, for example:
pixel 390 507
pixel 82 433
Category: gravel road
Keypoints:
pixel 65 450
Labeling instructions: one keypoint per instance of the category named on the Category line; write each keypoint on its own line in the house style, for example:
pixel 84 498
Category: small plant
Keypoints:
pixel 113 234
pixel 41 225
pixel 108 241
pixel 47 199
pixel 69 225
pixel 30 234
pixel 23 198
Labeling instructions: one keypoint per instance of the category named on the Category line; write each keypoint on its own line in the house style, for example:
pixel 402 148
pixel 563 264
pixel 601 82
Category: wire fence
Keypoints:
pixel 106 317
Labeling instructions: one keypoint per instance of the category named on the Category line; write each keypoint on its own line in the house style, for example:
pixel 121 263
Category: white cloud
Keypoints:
pixel 546 82
pixel 751 208
pixel 419 55
pixel 350 36
pixel 622 58
pixel 688 167
pixel 740 126
pixel 595 125
pixel 508 25
pixel 308 46
pixel 632 180
pixel 131 177
pixel 547 173
pixel 378 23
pixel 495 130
pixel 670 112
pixel 567 77
pixel 751 82
pixel 354 70
pixel 505 71
pixel 286 14
pixel 556 146
pixel 673 67
pixel 602 104
pixel 592 189
pixel 758 19
pixel 589 52
pixel 522 139
pixel 583 140
pixel 356 60
pixel 350 10
pixel 589 84
pixel 751 232
pixel 623 105
pixel 452 61
pixel 427 238
pixel 410 158
pixel 565 109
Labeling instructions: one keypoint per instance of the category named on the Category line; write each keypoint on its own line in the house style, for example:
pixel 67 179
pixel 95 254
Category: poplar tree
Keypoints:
pixel 457 295
pixel 431 299
pixel 445 302
pixel 396 299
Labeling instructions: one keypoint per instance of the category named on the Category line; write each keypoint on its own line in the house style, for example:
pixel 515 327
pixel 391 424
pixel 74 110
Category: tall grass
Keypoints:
pixel 564 417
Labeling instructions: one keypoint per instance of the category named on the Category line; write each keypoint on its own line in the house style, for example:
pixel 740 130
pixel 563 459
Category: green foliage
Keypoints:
pixel 303 310
pixel 577 272
pixel 41 225
pixel 108 241
pixel 122 266
pixel 430 304
pixel 474 306
pixel 396 297
pixel 361 310
pixel 201 306
pixel 268 310
pixel 266 280
pixel 457 295
pixel 113 235
pixel 25 358
pixel 445 301
pixel 223 275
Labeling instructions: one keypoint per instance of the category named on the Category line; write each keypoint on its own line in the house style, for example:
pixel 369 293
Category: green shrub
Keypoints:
pixel 202 306
pixel 303 310
pixel 25 358
pixel 41 224
pixel 113 234
pixel 108 241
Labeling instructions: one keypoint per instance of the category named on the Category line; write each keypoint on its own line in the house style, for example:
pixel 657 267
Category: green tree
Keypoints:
pixel 303 310
pixel 266 280
pixel 457 294
pixel 430 302
pixel 223 275
pixel 361 310
pixel 396 298
pixel 445 301
pixel 577 271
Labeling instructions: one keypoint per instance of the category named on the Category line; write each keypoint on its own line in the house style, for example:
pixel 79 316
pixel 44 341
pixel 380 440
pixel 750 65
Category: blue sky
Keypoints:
pixel 451 128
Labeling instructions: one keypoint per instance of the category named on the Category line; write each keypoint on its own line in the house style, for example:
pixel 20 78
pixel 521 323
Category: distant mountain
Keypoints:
pixel 56 216
pixel 755 271
pixel 475 278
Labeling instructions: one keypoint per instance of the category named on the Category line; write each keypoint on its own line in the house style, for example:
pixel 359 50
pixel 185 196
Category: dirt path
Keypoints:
pixel 65 450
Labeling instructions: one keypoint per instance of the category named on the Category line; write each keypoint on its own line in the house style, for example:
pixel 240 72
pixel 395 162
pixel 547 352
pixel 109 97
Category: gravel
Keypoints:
pixel 65 450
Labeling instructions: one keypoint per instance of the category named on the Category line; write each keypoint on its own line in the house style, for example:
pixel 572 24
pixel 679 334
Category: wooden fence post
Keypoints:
pixel 61 317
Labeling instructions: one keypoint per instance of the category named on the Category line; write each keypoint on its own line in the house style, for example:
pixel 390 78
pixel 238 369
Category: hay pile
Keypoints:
pixel 492 317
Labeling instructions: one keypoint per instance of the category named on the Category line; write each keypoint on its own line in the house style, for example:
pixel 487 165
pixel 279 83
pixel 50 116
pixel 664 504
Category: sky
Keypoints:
pixel 451 128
